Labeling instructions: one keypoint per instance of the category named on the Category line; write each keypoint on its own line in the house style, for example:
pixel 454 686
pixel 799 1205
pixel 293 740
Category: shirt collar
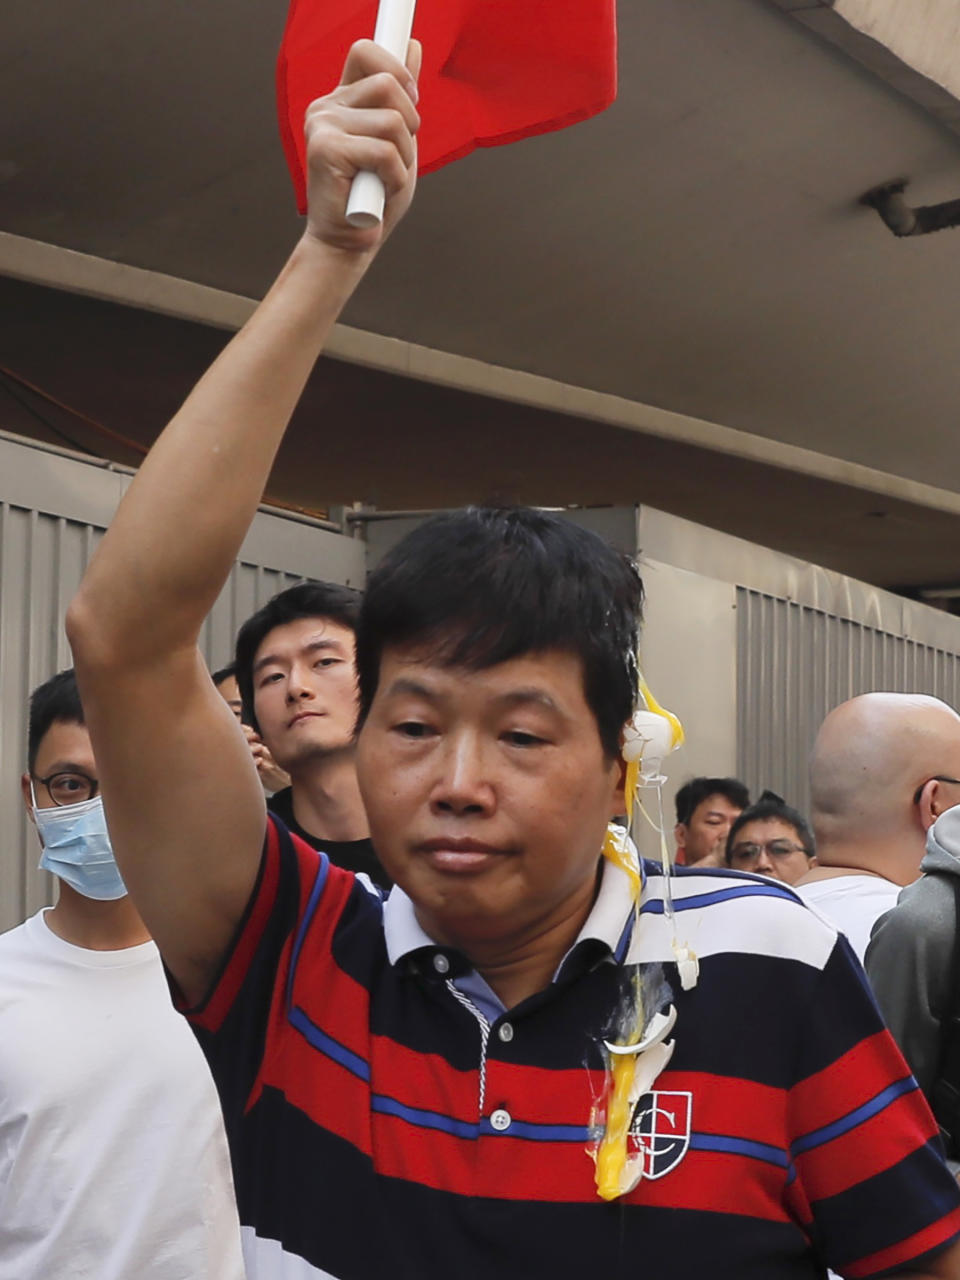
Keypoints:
pixel 608 922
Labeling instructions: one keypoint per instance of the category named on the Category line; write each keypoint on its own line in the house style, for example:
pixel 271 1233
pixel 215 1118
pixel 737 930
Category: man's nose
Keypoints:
pixel 463 786
pixel 298 686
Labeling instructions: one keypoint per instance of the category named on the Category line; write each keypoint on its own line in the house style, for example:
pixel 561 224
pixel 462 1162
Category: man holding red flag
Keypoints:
pixel 411 1086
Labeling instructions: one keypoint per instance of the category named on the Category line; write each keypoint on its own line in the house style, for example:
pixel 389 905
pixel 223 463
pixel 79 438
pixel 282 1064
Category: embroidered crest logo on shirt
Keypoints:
pixel 660 1130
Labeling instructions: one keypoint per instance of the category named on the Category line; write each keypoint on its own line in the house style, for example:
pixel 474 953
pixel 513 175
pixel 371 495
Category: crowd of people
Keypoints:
pixel 449 1025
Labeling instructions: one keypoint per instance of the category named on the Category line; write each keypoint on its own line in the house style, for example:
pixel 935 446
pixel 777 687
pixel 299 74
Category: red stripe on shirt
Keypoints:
pixel 935 1236
pixel 326 1092
pixel 725 1105
pixel 847 1083
pixel 890 1136
pixel 211 1012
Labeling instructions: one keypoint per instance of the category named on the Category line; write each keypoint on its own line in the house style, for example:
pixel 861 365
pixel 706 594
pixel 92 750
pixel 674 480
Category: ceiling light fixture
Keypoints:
pixel 902 219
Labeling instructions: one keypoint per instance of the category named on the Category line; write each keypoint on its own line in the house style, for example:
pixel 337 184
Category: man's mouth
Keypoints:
pixel 449 853
pixel 304 715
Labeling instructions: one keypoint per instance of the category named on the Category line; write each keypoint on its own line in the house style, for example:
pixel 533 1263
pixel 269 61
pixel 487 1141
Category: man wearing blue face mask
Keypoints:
pixel 113 1161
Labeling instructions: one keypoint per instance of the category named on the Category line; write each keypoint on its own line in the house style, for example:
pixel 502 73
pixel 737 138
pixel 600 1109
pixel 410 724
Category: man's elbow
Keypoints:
pixel 88 633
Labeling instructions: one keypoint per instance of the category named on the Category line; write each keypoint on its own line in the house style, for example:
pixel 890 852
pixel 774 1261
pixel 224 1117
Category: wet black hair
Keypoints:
pixel 481 586
pixel 55 701
pixel 770 805
pixel 306 600
pixel 694 792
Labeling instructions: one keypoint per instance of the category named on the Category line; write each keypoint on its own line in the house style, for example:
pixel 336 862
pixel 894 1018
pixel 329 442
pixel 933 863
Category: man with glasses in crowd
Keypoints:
pixel 772 839
pixel 113 1159
pixel 884 767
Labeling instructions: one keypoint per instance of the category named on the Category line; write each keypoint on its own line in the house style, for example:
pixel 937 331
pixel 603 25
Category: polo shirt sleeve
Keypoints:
pixel 295 883
pixel 868 1181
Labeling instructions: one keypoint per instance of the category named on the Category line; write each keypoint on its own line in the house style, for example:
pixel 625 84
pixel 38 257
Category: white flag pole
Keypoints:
pixel 394 24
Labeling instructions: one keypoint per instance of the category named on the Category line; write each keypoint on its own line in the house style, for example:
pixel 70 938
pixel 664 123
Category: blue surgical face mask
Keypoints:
pixel 76 847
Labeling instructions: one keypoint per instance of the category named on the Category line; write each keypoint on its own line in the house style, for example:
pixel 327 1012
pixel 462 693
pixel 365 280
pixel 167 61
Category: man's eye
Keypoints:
pixel 413 729
pixel 326 662
pixel 517 738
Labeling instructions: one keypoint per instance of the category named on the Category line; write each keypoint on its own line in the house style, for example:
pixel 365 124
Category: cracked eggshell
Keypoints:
pixel 647 735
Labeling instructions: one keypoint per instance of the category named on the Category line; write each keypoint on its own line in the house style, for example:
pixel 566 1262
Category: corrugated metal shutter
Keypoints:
pixel 42 559
pixel 796 663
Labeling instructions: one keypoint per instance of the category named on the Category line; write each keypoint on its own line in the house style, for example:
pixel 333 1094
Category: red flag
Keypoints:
pixel 494 71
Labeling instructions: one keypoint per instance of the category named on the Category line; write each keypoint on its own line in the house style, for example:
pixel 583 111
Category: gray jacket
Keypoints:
pixel 910 958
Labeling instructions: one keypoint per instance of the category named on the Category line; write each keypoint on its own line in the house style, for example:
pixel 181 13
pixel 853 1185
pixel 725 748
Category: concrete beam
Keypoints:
pixel 913 47
pixel 65 269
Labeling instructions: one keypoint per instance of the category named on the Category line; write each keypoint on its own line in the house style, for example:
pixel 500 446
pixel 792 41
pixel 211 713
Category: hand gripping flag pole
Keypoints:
pixel 394 25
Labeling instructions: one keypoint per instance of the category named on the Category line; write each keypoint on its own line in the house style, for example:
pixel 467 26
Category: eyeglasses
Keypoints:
pixel 72 787
pixel 749 854
pixel 936 778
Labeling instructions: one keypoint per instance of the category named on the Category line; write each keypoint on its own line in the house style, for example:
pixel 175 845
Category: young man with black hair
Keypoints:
pixel 706 808
pixel 225 683
pixel 411 1084
pixel 770 838
pixel 296 674
pixel 113 1159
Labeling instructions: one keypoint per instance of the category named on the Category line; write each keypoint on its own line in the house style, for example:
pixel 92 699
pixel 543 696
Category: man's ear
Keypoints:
pixel 933 801
pixel 27 798
pixel 617 802
pixel 680 835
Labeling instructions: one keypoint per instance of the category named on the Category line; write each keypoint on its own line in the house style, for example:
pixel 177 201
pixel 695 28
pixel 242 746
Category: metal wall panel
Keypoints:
pixel 795 663
pixel 53 511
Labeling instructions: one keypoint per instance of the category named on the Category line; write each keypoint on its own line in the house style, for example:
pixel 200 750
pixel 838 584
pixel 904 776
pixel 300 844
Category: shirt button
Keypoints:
pixel 441 963
pixel 505 1032
pixel 500 1120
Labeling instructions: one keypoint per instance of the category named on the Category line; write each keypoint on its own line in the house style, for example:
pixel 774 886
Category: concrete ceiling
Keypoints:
pixel 698 248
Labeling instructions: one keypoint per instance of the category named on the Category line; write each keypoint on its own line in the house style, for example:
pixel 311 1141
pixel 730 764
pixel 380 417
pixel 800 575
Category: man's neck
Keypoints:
pixel 518 967
pixel 97 926
pixel 834 873
pixel 326 798
pixel 871 858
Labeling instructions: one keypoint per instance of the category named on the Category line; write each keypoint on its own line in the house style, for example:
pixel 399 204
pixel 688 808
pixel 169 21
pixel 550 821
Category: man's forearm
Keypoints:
pixel 178 531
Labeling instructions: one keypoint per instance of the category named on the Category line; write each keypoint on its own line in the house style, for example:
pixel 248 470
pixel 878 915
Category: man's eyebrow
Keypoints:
pixel 405 684
pixel 523 696
pixel 321 643
pixel 67 766
pixel 269 659
pixel 511 698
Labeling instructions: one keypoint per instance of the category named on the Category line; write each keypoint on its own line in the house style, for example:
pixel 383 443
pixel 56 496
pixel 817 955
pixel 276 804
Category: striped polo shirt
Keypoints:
pixel 387 1116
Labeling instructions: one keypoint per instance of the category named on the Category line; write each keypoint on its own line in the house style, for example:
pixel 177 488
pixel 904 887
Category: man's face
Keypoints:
pixel 65 757
pixel 305 690
pixel 703 839
pixel 229 691
pixel 770 847
pixel 488 793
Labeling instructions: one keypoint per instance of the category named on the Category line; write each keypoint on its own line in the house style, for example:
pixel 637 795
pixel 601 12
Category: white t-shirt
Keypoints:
pixel 852 903
pixel 113 1159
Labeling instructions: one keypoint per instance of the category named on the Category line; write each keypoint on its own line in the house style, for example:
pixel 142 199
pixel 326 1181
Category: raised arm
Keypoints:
pixel 183 802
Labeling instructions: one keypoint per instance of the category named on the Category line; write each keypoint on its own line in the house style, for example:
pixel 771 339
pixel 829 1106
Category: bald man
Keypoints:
pixel 884 766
